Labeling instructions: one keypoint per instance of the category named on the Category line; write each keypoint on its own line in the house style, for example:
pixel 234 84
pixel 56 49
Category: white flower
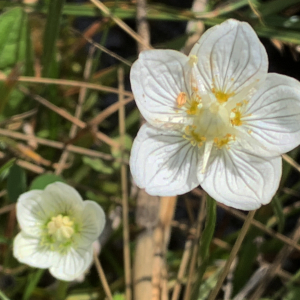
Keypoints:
pixel 57 230
pixel 214 118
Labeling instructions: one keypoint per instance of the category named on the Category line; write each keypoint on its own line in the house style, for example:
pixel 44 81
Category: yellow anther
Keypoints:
pixel 238 113
pixel 221 96
pixel 194 137
pixel 181 99
pixel 193 108
pixel 221 142
pixel 236 118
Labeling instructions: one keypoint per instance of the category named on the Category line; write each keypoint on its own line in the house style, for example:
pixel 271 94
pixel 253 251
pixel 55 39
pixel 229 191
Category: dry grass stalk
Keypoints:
pixel 102 277
pixel 66 82
pixel 121 24
pixel 58 145
pixel 124 185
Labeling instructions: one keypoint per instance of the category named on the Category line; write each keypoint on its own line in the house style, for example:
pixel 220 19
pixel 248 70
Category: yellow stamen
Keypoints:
pixel 193 137
pixel 60 227
pixel 237 113
pixel 222 97
pixel 223 141
pixel 193 108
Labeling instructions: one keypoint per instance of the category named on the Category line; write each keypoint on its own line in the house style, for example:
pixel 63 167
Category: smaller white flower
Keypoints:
pixel 58 229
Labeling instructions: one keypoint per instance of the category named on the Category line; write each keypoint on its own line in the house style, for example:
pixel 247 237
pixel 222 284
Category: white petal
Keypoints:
pixel 163 162
pixel 60 198
pixel 72 264
pixel 240 179
pixel 275 114
pixel 28 250
pixel 31 213
pixel 93 222
pixel 231 57
pixel 157 78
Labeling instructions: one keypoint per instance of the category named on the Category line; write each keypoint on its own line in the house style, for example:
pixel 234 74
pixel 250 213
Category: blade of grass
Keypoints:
pixel 274 7
pixel 278 211
pixel 33 280
pixel 3 297
pixel 51 35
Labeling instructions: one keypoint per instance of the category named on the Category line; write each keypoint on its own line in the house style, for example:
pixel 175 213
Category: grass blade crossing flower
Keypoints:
pixel 214 118
pixel 57 230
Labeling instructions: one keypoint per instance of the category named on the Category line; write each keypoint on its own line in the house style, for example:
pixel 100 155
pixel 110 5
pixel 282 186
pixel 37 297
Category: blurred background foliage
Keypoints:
pixel 60 92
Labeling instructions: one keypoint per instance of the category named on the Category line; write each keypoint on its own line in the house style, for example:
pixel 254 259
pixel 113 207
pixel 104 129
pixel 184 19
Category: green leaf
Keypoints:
pixel 40 182
pixel 7 166
pixel 293 294
pixel 15 46
pixel 16 183
pixel 277 208
pixel 209 284
pixel 119 297
pixel 98 165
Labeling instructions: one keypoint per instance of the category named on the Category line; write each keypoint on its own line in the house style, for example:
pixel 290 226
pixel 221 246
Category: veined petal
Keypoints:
pixel 231 57
pixel 31 213
pixel 157 79
pixel 28 250
pixel 163 162
pixel 61 199
pixel 240 179
pixel 274 114
pixel 93 222
pixel 72 264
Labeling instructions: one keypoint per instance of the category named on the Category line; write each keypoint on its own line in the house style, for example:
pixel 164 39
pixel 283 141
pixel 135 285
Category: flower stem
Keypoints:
pixel 102 277
pixel 61 291
pixel 233 254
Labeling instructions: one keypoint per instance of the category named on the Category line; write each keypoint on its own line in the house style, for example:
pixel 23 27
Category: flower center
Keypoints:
pixel 61 228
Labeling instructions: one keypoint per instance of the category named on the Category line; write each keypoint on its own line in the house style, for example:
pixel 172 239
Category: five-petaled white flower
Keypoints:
pixel 57 230
pixel 214 118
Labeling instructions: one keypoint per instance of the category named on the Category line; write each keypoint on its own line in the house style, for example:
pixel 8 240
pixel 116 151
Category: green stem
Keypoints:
pixel 62 289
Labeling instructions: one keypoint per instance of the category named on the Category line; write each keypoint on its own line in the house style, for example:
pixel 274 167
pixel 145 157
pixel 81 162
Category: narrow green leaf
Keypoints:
pixel 40 182
pixel 275 6
pixel 277 208
pixel 51 34
pixel 205 241
pixel 2 296
pixel 16 183
pixel 209 230
pixel 33 280
pixel 7 166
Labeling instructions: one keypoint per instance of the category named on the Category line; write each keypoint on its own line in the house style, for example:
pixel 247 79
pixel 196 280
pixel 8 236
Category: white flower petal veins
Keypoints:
pixel 221 102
